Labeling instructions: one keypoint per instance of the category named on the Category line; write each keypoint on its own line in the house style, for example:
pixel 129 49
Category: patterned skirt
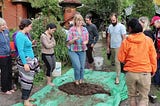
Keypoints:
pixel 27 77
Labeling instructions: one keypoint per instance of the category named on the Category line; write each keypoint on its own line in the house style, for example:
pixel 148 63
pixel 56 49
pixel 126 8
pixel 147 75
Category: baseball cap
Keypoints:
pixel 155 18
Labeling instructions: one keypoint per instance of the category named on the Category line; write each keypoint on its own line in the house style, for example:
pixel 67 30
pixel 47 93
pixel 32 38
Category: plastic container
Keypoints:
pixel 98 62
pixel 57 70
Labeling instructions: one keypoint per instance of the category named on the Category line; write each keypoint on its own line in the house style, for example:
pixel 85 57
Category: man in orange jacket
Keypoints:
pixel 138 54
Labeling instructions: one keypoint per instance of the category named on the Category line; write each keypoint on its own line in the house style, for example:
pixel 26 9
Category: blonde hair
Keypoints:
pixel 145 22
pixel 2 21
pixel 78 17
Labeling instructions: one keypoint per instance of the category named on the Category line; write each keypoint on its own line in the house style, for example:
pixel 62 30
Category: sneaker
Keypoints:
pixel 152 98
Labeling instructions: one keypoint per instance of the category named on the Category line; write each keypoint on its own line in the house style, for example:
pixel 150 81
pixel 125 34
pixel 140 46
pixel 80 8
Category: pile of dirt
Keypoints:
pixel 82 89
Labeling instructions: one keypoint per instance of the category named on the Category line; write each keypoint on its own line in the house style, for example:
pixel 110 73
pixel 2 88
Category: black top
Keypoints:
pixel 150 34
pixel 93 33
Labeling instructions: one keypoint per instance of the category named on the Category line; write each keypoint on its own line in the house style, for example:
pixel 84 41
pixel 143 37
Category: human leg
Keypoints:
pixel 82 58
pixel 89 56
pixel 118 66
pixel 112 57
pixel 6 75
pixel 26 82
pixel 25 97
pixel 143 87
pixel 49 61
pixel 26 92
pixel 75 64
pixel 131 79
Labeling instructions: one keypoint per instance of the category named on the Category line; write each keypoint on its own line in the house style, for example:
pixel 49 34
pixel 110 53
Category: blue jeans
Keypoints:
pixel 78 63
pixel 157 74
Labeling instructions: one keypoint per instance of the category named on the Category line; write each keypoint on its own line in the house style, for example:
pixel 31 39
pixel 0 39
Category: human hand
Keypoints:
pixel 26 67
pixel 108 50
pixel 92 45
pixel 76 38
pixel 33 42
pixel 152 74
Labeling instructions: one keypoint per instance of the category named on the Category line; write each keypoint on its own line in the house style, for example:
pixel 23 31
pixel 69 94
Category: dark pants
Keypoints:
pixel 89 54
pixel 49 60
pixel 156 77
pixel 25 94
pixel 6 74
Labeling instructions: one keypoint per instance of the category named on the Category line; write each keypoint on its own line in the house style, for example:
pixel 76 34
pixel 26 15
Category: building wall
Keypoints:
pixel 13 13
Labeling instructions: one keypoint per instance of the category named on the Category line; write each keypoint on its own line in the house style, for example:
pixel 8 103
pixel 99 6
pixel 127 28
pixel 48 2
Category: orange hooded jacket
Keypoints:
pixel 138 54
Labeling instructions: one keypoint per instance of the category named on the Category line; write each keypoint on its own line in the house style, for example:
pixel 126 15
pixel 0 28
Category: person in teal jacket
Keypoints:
pixel 26 58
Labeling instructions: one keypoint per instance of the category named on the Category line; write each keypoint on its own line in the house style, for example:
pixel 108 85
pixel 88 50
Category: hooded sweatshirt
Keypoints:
pixel 138 54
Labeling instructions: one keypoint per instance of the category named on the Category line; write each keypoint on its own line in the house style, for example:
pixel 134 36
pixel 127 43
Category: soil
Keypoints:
pixel 82 89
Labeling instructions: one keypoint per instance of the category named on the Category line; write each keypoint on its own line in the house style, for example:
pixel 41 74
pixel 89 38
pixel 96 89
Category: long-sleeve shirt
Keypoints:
pixel 138 54
pixel 24 46
pixel 93 33
pixel 4 43
pixel 47 44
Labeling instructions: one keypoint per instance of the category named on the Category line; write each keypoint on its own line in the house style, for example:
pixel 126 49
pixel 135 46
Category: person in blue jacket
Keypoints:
pixel 5 59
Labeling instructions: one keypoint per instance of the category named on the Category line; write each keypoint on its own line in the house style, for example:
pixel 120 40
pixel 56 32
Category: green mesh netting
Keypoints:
pixel 52 96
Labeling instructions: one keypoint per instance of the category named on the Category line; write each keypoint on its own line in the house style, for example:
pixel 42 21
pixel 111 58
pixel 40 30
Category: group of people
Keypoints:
pixel 78 40
pixel 135 50
pixel 27 63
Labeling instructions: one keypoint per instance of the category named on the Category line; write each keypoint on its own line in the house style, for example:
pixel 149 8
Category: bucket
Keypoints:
pixel 98 62
pixel 57 70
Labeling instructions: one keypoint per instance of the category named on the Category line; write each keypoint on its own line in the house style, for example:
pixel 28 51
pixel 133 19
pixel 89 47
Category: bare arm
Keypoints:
pixel 123 37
